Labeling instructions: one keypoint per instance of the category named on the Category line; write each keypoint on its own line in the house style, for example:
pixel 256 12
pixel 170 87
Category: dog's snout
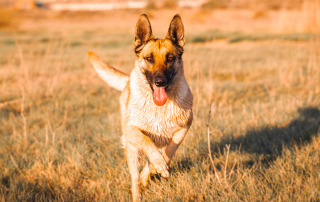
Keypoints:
pixel 160 81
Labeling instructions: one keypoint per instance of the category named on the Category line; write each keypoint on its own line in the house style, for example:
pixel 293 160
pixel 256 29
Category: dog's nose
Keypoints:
pixel 160 82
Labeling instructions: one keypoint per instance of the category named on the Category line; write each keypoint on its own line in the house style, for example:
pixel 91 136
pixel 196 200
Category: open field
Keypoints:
pixel 60 123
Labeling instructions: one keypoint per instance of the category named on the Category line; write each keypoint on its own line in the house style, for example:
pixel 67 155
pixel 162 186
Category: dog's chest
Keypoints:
pixel 159 123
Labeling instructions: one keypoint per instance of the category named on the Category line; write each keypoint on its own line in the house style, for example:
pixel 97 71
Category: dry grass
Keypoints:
pixel 7 18
pixel 305 19
pixel 60 124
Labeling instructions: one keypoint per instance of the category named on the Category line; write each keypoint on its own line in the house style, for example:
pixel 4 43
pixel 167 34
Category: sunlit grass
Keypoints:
pixel 60 124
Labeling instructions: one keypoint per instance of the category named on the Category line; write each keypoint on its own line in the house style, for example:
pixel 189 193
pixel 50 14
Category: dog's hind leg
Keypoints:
pixel 133 156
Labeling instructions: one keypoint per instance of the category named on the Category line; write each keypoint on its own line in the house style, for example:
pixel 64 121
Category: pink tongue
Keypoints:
pixel 159 96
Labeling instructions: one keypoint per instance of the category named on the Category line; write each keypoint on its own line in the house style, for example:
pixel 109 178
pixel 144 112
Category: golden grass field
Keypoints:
pixel 60 123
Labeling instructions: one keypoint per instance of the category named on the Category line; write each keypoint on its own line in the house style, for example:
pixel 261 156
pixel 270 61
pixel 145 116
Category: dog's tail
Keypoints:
pixel 110 75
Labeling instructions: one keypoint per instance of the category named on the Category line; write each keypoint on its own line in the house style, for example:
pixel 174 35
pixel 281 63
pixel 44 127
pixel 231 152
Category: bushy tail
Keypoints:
pixel 110 75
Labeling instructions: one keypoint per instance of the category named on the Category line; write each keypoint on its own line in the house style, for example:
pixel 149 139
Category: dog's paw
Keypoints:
pixel 144 181
pixel 161 167
pixel 144 175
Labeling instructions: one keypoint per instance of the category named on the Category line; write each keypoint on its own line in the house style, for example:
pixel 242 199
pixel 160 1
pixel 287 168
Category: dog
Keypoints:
pixel 156 101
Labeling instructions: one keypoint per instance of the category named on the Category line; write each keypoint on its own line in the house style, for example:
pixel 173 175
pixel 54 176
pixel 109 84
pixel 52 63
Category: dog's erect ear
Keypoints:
pixel 143 32
pixel 176 31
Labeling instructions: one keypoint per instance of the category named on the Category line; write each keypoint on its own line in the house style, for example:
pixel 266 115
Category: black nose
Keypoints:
pixel 160 82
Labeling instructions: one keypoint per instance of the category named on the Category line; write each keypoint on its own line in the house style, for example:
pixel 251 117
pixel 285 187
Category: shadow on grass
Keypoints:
pixel 267 141
pixel 272 140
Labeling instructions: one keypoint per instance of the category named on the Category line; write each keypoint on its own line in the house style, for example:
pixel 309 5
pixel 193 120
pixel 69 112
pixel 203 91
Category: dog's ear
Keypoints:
pixel 143 32
pixel 176 31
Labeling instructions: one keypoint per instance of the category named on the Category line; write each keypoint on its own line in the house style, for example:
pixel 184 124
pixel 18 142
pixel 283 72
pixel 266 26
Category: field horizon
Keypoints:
pixel 254 75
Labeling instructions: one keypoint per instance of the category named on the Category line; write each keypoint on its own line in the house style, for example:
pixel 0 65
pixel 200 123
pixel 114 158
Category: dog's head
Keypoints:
pixel 159 59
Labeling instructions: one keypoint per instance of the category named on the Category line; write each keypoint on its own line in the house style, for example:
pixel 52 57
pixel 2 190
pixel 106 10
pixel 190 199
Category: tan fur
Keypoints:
pixel 110 75
pixel 156 131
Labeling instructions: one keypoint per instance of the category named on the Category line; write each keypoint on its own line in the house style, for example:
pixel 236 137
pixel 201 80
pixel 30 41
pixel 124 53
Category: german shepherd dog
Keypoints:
pixel 156 102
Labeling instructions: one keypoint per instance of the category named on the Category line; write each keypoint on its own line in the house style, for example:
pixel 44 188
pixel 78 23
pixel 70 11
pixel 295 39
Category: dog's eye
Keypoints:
pixel 170 59
pixel 149 59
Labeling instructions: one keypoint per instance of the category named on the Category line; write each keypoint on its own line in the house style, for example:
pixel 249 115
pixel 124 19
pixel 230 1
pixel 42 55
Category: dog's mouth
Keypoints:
pixel 159 95
pixel 159 86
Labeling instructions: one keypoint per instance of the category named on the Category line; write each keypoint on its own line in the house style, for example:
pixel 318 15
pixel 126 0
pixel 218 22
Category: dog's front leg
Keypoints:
pixel 167 154
pixel 172 147
pixel 135 141
pixel 144 143
pixel 133 156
